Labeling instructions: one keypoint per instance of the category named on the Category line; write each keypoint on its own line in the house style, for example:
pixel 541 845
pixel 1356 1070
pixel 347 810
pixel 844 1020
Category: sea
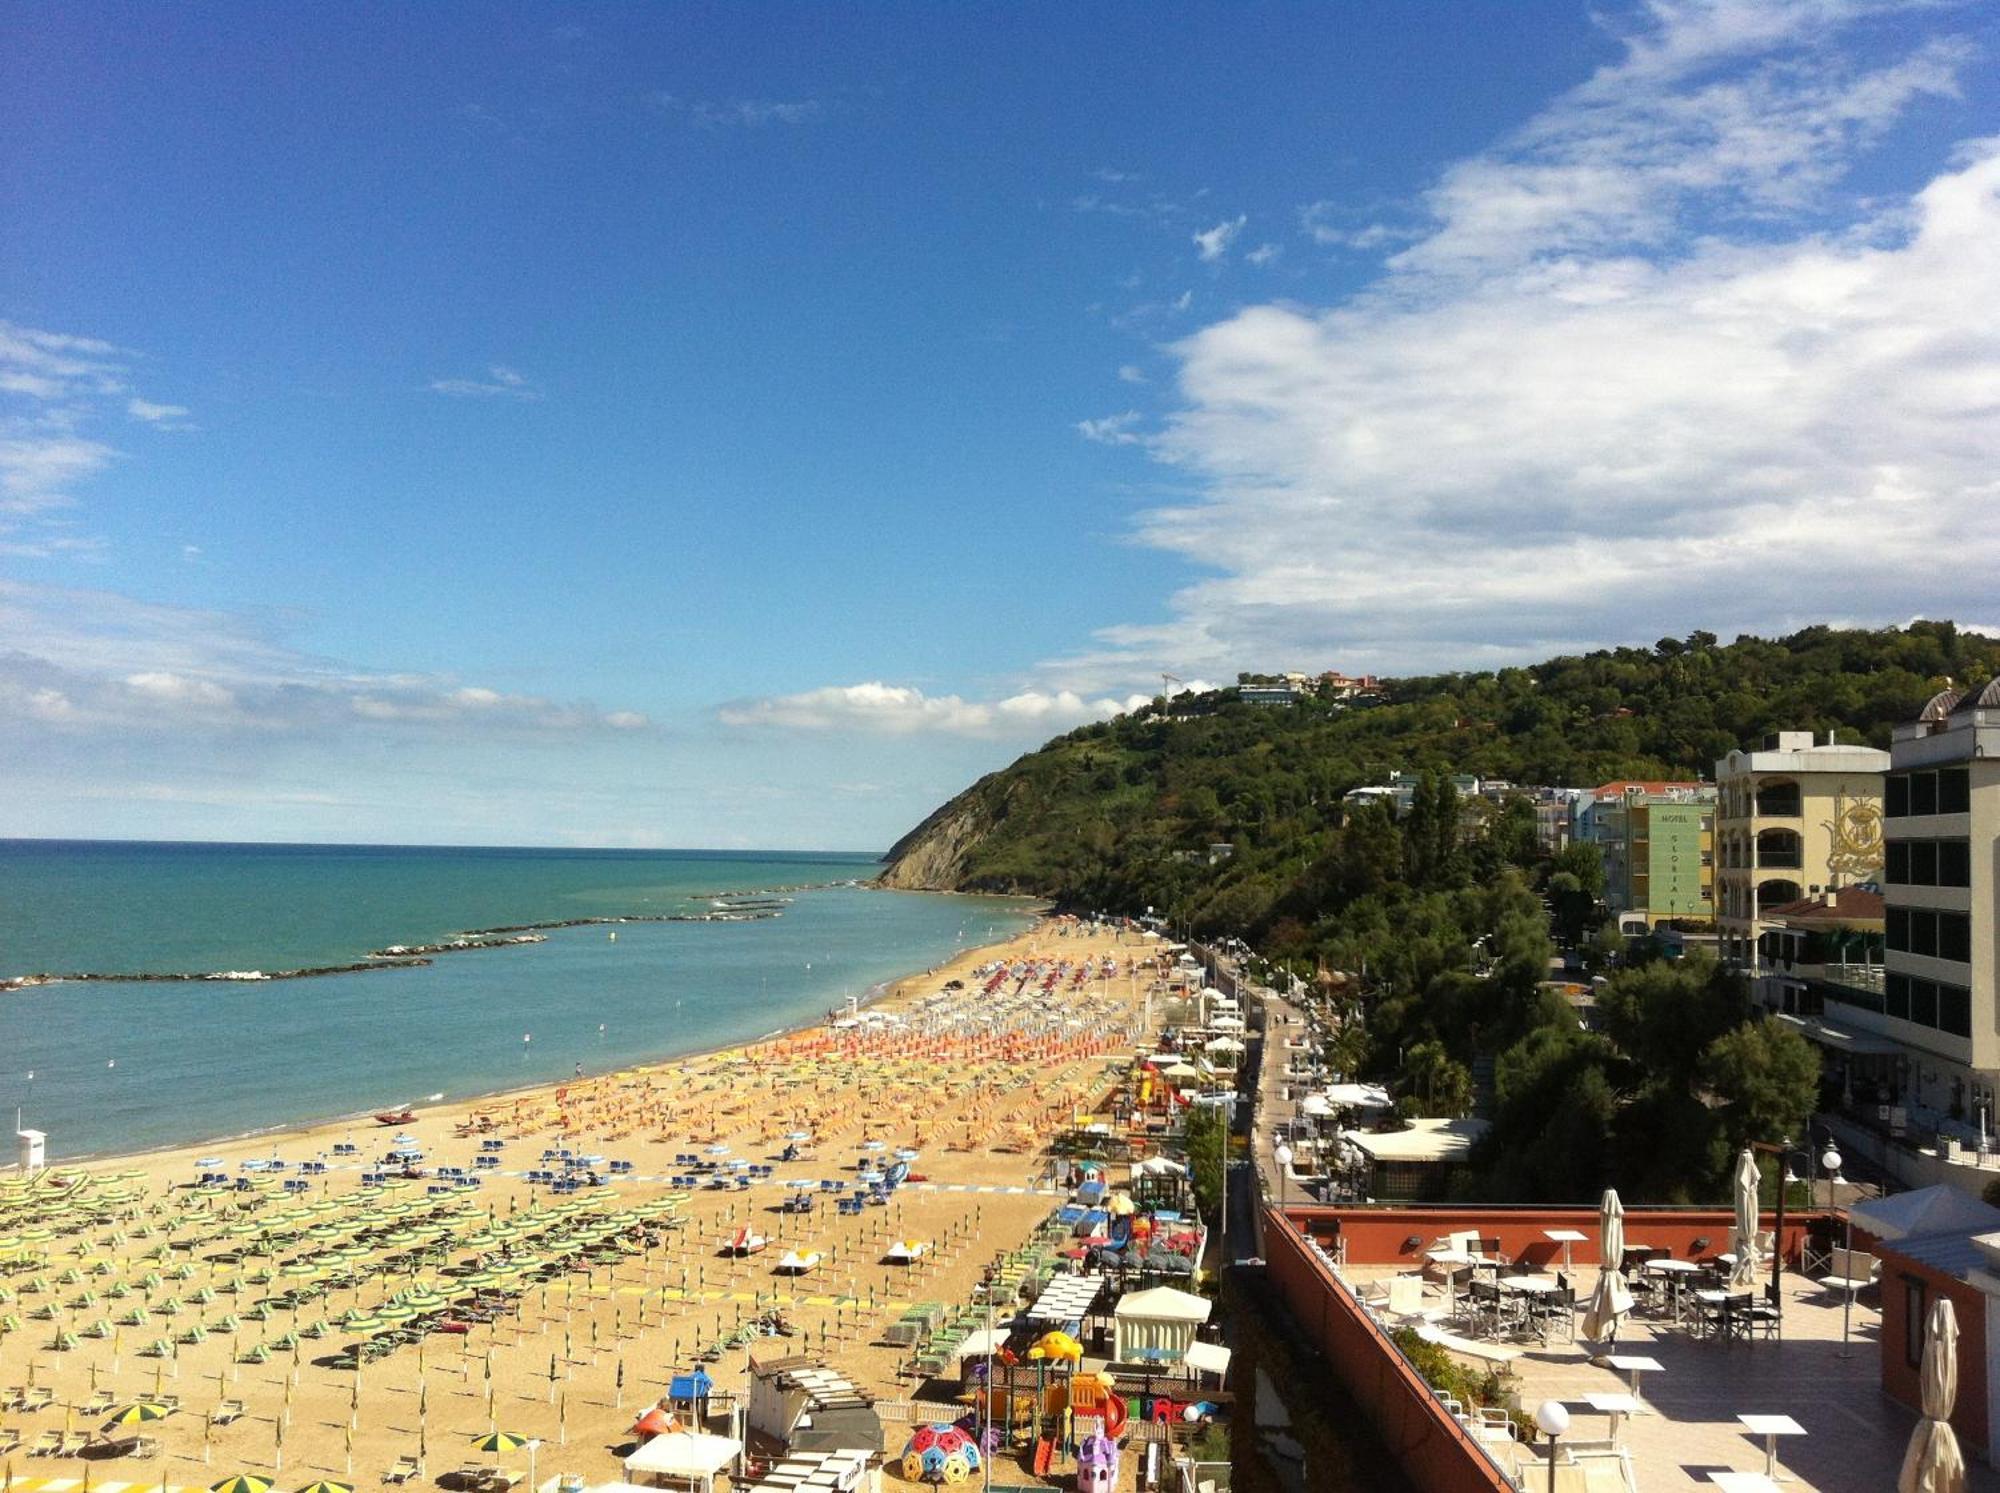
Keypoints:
pixel 113 1066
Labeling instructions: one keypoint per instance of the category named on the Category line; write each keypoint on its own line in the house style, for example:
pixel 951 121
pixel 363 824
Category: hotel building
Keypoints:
pixel 1794 818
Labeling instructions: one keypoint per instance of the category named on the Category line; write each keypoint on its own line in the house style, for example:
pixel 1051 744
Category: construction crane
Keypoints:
pixel 1167 683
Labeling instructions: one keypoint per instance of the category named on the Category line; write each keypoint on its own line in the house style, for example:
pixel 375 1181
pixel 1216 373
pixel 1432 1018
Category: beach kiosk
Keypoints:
pixel 682 1459
pixel 1158 1325
pixel 34 1151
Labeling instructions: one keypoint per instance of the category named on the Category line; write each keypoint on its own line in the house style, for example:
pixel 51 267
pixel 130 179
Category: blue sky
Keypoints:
pixel 744 425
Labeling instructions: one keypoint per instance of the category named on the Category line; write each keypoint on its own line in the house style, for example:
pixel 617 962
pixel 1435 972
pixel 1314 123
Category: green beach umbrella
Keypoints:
pixel 138 1413
pixel 242 1482
pixel 499 1442
pixel 327 1488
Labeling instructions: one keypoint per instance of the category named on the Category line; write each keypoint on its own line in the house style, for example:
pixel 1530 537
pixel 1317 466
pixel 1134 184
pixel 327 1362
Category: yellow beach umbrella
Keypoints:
pixel 242 1482
pixel 138 1414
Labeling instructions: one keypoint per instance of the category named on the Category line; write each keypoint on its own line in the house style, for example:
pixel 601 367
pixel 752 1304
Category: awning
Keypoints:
pixel 688 1455
pixel 1208 1358
pixel 1839 1038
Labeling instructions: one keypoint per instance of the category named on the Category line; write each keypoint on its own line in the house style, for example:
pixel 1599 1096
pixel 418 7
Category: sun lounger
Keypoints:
pixel 46 1444
pixel 73 1443
pixel 401 1470
pixel 227 1411
pixel 9 1439
pixel 1497 1355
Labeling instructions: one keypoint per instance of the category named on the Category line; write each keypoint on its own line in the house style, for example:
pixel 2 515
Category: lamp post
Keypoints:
pixel 1554 1420
pixel 1283 1156
pixel 1830 1163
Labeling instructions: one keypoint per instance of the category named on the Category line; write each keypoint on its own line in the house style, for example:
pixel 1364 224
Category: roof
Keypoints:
pixel 1208 1358
pixel 1425 1140
pixel 1925 1212
pixel 1164 1304
pixel 1987 698
pixel 1624 786
pixel 1850 904
pixel 684 1454
pixel 829 1428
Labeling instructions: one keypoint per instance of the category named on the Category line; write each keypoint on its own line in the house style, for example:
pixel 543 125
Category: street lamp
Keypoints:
pixel 1829 1164
pixel 1554 1420
pixel 1283 1156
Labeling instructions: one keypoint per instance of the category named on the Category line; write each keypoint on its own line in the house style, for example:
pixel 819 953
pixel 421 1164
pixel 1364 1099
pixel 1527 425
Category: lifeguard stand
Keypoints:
pixel 34 1148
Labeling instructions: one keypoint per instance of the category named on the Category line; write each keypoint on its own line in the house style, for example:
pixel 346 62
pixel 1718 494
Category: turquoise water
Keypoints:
pixel 121 1066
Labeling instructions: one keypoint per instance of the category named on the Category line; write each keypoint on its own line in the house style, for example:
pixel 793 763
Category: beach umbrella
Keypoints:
pixel 242 1482
pixel 325 1487
pixel 1933 1463
pixel 1613 1298
pixel 138 1413
pixel 1744 1271
pixel 499 1442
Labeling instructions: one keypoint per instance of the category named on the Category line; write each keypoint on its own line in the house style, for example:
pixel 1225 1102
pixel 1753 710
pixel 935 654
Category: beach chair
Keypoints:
pixel 98 1404
pixel 401 1470
pixel 46 1444
pixel 145 1448
pixel 73 1443
pixel 227 1411
pixel 10 1439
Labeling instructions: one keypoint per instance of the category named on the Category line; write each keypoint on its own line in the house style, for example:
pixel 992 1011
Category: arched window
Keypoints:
pixel 1780 849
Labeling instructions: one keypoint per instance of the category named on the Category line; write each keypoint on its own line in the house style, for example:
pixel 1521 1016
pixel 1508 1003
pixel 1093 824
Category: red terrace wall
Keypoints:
pixel 1432 1447
pixel 1899 1380
pixel 1376 1236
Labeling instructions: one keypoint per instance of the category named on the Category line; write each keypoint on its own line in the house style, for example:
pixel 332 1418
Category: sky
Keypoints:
pixel 745 425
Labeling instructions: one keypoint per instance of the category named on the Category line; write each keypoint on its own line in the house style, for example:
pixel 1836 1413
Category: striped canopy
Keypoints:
pixel 139 1414
pixel 499 1441
pixel 243 1482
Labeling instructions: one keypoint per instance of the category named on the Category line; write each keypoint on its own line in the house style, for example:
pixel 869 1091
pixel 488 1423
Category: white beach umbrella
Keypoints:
pixel 1744 1271
pixel 1613 1298
pixel 1933 1463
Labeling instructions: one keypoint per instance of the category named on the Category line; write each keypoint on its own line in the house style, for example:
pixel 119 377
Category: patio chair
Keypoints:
pixel 1853 1271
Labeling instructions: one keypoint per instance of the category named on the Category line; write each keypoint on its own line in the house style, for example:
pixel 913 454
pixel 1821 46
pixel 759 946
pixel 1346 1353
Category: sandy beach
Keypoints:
pixel 632 1283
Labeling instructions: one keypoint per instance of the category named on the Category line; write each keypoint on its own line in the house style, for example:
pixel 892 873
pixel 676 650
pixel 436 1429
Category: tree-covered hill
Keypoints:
pixel 1122 814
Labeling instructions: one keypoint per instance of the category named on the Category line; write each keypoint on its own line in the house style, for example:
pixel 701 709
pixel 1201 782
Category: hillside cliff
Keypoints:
pixel 1130 813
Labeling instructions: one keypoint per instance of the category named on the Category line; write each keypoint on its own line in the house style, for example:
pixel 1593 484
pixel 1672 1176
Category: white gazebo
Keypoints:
pixel 1157 1325
pixel 682 1459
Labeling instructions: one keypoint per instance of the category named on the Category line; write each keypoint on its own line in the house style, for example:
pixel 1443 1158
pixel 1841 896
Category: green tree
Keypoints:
pixel 1205 1133
pixel 1767 1077
pixel 1435 1081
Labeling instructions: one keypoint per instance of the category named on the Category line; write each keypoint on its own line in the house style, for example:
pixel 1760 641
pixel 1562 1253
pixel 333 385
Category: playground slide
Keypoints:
pixel 1114 1416
pixel 1045 1453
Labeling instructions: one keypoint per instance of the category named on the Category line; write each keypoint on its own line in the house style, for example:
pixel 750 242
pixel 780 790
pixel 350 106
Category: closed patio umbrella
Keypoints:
pixel 1612 1298
pixel 1744 1271
pixel 1933 1463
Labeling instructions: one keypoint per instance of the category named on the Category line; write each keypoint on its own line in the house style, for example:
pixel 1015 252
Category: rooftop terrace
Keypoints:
pixel 1849 1434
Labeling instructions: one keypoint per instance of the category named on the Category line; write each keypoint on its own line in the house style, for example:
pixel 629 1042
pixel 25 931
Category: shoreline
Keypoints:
pixel 876 994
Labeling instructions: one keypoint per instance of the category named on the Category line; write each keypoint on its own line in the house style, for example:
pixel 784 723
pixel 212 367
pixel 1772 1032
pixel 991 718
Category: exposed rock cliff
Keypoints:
pixel 932 857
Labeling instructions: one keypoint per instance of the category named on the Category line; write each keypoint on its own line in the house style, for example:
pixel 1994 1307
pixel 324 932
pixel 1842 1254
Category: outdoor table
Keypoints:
pixel 1615 1406
pixel 1675 1271
pixel 1530 1284
pixel 1565 1237
pixel 1742 1482
pixel 1771 1427
pixel 1633 1365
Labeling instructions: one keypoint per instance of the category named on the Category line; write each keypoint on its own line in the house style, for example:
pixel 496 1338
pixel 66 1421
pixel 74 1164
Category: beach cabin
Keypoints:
pixel 806 1407
pixel 688 1396
pixel 1156 1326
pixel 682 1459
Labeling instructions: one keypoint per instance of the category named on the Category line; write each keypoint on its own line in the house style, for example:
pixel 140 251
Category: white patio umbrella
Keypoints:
pixel 1744 1271
pixel 1613 1298
pixel 1934 1464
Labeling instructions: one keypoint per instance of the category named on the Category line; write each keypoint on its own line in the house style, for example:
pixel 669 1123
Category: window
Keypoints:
pixel 1897 929
pixel 1954 937
pixel 1913 1321
pixel 1923 793
pixel 1896 796
pixel 1923 862
pixel 1896 997
pixel 1955 1010
pixel 1896 869
pixel 1954 791
pixel 1923 1003
pixel 1954 863
pixel 1923 933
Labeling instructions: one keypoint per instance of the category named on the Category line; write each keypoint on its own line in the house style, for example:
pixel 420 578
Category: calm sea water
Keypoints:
pixel 121 1066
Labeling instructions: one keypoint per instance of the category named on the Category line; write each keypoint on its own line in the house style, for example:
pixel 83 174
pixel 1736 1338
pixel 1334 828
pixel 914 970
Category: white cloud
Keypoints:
pixel 1264 254
pixel 501 382
pixel 162 416
pixel 1131 373
pixel 1641 374
pixel 1111 430
pixel 1212 243
pixel 752 113
pixel 882 709
pixel 98 662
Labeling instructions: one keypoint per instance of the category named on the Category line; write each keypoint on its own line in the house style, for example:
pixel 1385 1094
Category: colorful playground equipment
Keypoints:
pixel 1097 1465
pixel 940 1454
